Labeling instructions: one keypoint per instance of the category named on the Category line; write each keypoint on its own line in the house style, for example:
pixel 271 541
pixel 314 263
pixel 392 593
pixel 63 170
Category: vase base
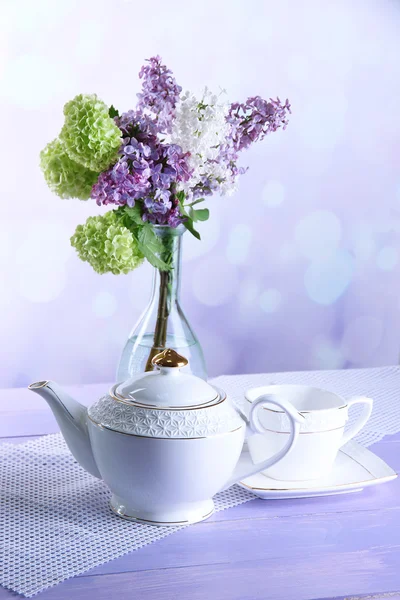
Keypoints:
pixel 185 514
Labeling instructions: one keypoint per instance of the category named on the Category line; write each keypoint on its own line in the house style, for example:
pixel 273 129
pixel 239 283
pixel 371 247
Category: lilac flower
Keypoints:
pixel 248 122
pixel 163 176
pixel 148 170
pixel 178 161
pixel 119 186
pixel 175 218
pixel 135 123
pixel 163 196
pixel 159 204
pixel 172 217
pixel 253 120
pixel 151 170
pixel 160 93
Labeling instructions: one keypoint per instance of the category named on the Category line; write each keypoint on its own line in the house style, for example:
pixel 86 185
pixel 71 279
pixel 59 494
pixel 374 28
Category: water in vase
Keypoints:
pixel 137 349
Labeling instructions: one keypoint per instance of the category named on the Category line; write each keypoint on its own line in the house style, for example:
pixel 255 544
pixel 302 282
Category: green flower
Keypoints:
pixel 90 136
pixel 65 177
pixel 107 245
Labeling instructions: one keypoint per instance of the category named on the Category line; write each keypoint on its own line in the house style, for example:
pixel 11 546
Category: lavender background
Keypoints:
pixel 298 270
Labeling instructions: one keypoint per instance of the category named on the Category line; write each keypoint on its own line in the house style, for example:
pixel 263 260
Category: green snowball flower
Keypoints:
pixel 65 177
pixel 90 136
pixel 107 245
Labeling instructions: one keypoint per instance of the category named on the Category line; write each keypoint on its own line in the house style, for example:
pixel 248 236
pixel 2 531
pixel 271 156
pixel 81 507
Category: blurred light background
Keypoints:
pixel 299 270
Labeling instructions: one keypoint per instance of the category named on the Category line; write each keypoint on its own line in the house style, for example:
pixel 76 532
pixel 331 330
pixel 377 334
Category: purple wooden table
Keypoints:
pixel 335 547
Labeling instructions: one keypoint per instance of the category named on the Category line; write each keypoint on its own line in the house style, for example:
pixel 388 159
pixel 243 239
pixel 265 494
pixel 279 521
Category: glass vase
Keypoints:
pixel 163 324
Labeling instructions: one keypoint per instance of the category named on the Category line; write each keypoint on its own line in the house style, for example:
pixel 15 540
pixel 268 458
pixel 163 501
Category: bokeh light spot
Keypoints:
pixel 387 258
pixel 326 355
pixel 322 120
pixel 44 241
pixel 239 244
pixel 363 242
pixel 42 282
pixel 210 232
pixel 248 293
pixel 104 304
pixel 287 252
pixel 326 280
pixel 361 339
pixel 273 193
pixel 318 234
pixel 41 259
pixel 215 281
pixel 270 300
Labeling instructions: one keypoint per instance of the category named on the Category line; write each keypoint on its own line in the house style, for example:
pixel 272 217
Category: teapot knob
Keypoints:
pixel 169 358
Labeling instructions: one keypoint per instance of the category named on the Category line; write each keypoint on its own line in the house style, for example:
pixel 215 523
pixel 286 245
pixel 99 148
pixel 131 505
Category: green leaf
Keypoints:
pixel 181 197
pixel 134 213
pixel 197 201
pixel 113 112
pixel 199 215
pixel 151 246
pixel 189 226
pixel 188 223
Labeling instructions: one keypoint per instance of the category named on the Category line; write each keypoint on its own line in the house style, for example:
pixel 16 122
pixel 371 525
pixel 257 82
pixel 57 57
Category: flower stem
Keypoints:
pixel 160 331
pixel 167 288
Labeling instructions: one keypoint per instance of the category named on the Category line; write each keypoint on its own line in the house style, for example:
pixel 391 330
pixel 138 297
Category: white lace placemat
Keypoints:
pixel 55 521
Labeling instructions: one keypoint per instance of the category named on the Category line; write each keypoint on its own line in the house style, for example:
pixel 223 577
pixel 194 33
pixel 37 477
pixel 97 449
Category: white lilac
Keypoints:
pixel 200 128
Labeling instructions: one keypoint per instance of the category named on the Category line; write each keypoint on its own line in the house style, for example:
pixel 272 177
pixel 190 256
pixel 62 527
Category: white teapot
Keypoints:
pixel 164 442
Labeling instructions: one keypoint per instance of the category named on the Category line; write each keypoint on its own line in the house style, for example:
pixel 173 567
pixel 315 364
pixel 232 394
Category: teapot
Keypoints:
pixel 164 442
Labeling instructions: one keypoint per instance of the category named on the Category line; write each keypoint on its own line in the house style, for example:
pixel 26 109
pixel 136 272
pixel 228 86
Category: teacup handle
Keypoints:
pixel 361 421
pixel 245 467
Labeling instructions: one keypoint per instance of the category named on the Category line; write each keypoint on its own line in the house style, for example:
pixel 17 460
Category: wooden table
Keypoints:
pixel 334 547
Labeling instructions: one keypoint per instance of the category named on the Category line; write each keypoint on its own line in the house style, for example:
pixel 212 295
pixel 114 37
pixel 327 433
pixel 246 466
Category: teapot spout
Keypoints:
pixel 71 416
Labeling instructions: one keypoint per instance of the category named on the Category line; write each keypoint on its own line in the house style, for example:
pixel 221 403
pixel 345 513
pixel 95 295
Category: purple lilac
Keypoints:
pixel 172 217
pixel 119 186
pixel 254 119
pixel 160 93
pixel 134 122
pixel 148 170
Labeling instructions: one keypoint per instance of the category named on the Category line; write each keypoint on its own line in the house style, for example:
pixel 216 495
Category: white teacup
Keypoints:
pixel 321 436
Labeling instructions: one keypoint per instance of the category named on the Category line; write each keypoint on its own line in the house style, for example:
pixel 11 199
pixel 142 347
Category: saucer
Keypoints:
pixel 355 468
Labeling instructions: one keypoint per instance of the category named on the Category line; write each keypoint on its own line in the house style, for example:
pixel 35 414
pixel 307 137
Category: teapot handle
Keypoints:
pixel 245 466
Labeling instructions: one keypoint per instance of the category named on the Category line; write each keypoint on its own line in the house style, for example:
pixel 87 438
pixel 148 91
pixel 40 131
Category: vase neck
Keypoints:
pixel 171 254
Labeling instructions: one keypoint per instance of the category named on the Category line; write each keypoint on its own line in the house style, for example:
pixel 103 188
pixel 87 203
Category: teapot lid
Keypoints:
pixel 167 387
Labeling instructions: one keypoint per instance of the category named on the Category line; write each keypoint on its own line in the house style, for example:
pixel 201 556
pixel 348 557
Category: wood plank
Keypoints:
pixel 386 596
pixel 369 571
pixel 268 538
pixel 359 537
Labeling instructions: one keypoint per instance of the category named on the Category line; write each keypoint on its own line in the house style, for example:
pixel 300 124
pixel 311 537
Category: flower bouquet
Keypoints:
pixel 154 166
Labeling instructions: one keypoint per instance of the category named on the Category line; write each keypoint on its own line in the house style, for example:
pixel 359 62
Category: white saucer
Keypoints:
pixel 355 468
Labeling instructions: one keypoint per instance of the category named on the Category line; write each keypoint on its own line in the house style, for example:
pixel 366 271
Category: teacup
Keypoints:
pixel 321 436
